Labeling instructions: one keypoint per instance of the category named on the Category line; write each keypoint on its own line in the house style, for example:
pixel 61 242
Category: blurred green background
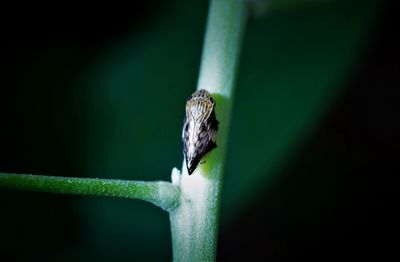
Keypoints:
pixel 101 92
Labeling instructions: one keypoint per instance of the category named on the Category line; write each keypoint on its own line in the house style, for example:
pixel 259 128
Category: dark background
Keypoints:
pixel 100 92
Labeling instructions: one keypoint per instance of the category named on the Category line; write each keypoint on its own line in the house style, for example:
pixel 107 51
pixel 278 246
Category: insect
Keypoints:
pixel 199 129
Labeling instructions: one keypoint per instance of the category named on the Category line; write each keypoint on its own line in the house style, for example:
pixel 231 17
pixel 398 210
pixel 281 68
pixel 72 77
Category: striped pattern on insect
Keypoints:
pixel 199 129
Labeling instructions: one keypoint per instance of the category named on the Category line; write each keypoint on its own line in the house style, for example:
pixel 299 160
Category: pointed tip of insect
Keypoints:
pixel 191 168
pixel 192 164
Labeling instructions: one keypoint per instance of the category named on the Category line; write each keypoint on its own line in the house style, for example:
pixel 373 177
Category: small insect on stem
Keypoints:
pixel 199 129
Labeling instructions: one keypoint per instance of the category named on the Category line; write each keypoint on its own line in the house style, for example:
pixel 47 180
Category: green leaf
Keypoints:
pixel 294 63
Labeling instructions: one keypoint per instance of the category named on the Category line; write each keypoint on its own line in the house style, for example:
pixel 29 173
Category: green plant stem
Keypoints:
pixel 192 201
pixel 162 194
pixel 194 223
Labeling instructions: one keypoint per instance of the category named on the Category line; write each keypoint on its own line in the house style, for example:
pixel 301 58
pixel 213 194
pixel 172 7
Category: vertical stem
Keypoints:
pixel 194 223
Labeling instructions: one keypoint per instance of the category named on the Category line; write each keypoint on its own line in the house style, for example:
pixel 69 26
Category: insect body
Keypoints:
pixel 199 129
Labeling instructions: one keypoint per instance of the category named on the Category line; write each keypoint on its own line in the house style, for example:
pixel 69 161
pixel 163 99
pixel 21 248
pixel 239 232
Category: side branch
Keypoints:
pixel 162 194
